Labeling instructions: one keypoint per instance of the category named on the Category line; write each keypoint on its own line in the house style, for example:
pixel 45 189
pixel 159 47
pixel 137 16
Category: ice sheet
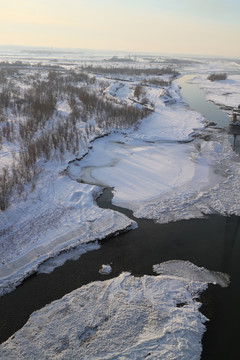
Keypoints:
pixel 153 317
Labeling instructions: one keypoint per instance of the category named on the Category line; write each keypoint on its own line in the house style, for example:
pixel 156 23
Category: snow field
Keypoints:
pixel 143 170
pixel 59 216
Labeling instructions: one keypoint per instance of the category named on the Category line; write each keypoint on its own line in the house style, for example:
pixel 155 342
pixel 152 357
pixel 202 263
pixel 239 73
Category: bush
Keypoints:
pixel 5 188
pixel 138 91
pixel 217 77
pixel 130 71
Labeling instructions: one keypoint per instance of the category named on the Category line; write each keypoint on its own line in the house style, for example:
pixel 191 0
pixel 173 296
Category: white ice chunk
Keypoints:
pixel 105 269
pixel 191 272
pixel 152 317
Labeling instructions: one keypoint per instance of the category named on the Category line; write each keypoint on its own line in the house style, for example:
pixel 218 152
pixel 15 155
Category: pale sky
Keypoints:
pixel 207 27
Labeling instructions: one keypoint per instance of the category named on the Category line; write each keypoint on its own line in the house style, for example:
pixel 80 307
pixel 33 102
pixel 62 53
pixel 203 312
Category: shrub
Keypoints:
pixel 130 71
pixel 138 91
pixel 217 77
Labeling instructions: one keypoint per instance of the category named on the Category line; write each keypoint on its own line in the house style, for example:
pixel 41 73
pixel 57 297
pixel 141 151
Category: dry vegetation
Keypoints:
pixel 130 71
pixel 217 77
pixel 29 118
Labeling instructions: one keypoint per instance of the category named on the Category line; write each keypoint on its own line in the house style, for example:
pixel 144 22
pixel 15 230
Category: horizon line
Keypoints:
pixel 154 53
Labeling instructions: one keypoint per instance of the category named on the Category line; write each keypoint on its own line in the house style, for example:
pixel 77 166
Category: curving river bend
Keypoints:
pixel 213 243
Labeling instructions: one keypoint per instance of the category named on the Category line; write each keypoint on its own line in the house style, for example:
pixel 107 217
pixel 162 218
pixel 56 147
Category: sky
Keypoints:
pixel 205 27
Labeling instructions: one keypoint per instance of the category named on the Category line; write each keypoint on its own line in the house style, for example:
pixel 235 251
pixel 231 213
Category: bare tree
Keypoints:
pixel 138 91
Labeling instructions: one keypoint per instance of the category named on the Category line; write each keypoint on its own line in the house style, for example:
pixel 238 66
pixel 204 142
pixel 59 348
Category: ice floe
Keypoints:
pixel 105 269
pixel 152 317
pixel 187 270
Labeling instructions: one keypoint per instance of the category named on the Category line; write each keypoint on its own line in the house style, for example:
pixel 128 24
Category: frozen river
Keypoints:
pixel 195 97
pixel 212 243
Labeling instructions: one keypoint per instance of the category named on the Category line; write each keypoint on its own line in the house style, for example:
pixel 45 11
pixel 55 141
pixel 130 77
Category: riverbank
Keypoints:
pixel 224 93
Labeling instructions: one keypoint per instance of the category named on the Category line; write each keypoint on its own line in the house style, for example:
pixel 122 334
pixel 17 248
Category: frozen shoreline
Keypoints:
pixel 166 181
pixel 64 217
pixel 225 93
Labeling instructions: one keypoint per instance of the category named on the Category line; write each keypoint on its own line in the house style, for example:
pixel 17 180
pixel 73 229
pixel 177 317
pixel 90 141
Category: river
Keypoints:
pixel 212 243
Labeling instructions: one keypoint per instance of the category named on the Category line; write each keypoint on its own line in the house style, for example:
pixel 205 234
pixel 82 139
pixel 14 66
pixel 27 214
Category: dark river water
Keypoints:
pixel 213 242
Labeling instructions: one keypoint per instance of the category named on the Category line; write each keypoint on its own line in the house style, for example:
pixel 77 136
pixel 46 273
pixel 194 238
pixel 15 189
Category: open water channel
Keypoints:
pixel 213 243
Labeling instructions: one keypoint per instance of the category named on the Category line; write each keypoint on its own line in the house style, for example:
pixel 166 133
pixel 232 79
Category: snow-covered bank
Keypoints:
pixel 141 170
pixel 60 215
pixel 224 93
pixel 166 180
pixel 217 193
pixel 146 162
pixel 157 176
pixel 153 317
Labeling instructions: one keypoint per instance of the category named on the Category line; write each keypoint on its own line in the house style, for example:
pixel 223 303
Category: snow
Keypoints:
pixel 170 124
pixel 151 155
pixel 218 195
pixel 49 265
pixel 105 269
pixel 6 154
pixel 63 107
pixel 60 215
pixel 153 317
pixel 159 173
pixel 151 169
pixel 162 169
pixel 223 93
pixel 5 157
pixel 120 90
pixel 142 166
pixel 187 270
